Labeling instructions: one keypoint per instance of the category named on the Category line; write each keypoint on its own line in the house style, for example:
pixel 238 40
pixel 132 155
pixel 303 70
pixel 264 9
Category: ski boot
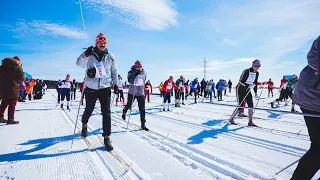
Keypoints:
pixel 164 109
pixel 107 143
pixel 232 122
pixel 12 121
pixel 252 124
pixel 68 108
pixel 168 109
pixel 183 103
pixel 176 105
pixel 143 127
pixel 61 106
pixel 293 110
pixel 272 104
pixel 123 115
pixel 2 120
pixel 84 131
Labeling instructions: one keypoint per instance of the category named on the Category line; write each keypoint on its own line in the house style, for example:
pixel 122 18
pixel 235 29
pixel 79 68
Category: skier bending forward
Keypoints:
pixel 248 81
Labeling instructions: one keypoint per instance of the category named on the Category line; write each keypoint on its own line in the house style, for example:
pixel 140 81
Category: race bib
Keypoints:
pixel 251 78
pixel 139 81
pixel 100 70
pixel 169 86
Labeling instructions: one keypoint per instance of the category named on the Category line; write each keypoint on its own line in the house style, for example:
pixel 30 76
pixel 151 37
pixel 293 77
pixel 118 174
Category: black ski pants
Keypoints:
pixel 73 94
pixel 104 96
pixel 219 95
pixel 242 92
pixel 59 94
pixel 309 164
pixel 141 104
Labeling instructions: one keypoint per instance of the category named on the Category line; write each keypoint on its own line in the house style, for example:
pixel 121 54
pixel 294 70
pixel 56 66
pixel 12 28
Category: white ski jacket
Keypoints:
pixel 106 71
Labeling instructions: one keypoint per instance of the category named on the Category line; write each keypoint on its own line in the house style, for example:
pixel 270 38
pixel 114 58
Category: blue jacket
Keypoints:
pixel 221 86
pixel 213 87
pixel 194 85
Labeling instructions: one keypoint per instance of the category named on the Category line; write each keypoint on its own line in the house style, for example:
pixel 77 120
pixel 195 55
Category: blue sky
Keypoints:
pixel 170 37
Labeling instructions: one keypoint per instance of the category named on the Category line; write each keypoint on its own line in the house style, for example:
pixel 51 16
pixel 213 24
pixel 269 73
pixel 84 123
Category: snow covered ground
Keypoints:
pixel 191 142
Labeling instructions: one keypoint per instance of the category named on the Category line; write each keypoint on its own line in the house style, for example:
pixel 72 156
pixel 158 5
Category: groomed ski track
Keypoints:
pixel 191 142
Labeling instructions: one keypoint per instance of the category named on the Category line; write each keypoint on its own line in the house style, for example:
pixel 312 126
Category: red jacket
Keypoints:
pixel 167 87
pixel 270 84
pixel 283 81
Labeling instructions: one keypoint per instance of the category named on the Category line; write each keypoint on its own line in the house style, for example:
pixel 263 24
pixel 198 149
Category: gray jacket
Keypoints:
pixel 109 64
pixel 137 82
pixel 304 94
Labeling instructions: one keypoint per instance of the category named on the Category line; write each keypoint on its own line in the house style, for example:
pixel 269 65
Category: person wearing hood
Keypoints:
pixel 167 88
pixel 307 96
pixel 101 74
pixel 137 78
pixel 148 90
pixel 11 74
pixel 248 81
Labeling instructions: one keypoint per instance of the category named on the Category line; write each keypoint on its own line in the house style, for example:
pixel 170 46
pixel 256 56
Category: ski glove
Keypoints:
pixel 115 89
pixel 89 51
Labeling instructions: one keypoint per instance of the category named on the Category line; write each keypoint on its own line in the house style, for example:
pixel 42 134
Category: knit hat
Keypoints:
pixel 16 58
pixel 138 64
pixel 68 76
pixel 294 76
pixel 101 38
pixel 256 63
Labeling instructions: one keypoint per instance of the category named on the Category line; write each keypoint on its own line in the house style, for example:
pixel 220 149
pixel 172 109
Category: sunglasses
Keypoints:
pixel 102 38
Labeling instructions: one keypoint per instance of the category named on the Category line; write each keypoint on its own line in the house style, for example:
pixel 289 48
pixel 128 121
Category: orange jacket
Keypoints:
pixel 29 89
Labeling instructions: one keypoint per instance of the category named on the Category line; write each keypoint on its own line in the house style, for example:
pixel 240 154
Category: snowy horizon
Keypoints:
pixel 170 37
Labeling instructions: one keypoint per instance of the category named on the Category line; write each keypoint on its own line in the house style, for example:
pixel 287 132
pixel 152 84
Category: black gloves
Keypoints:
pixel 89 51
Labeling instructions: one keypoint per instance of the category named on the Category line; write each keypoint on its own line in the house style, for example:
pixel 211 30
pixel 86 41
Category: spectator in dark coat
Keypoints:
pixel 11 74
pixel 307 96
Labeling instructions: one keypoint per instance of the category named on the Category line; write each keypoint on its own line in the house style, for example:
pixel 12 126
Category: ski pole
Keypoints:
pixel 131 103
pixel 75 127
pixel 233 114
pixel 287 166
pixel 258 99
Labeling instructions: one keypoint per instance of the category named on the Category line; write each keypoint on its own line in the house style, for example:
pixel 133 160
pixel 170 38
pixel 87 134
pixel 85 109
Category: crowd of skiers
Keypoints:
pixel 102 77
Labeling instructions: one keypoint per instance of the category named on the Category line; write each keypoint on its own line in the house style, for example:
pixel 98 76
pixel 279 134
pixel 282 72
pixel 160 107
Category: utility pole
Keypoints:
pixel 205 68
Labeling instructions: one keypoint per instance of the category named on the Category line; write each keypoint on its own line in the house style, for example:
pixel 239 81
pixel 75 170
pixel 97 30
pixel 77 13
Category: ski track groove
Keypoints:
pixel 219 166
pixel 243 138
pixel 259 129
pixel 118 172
